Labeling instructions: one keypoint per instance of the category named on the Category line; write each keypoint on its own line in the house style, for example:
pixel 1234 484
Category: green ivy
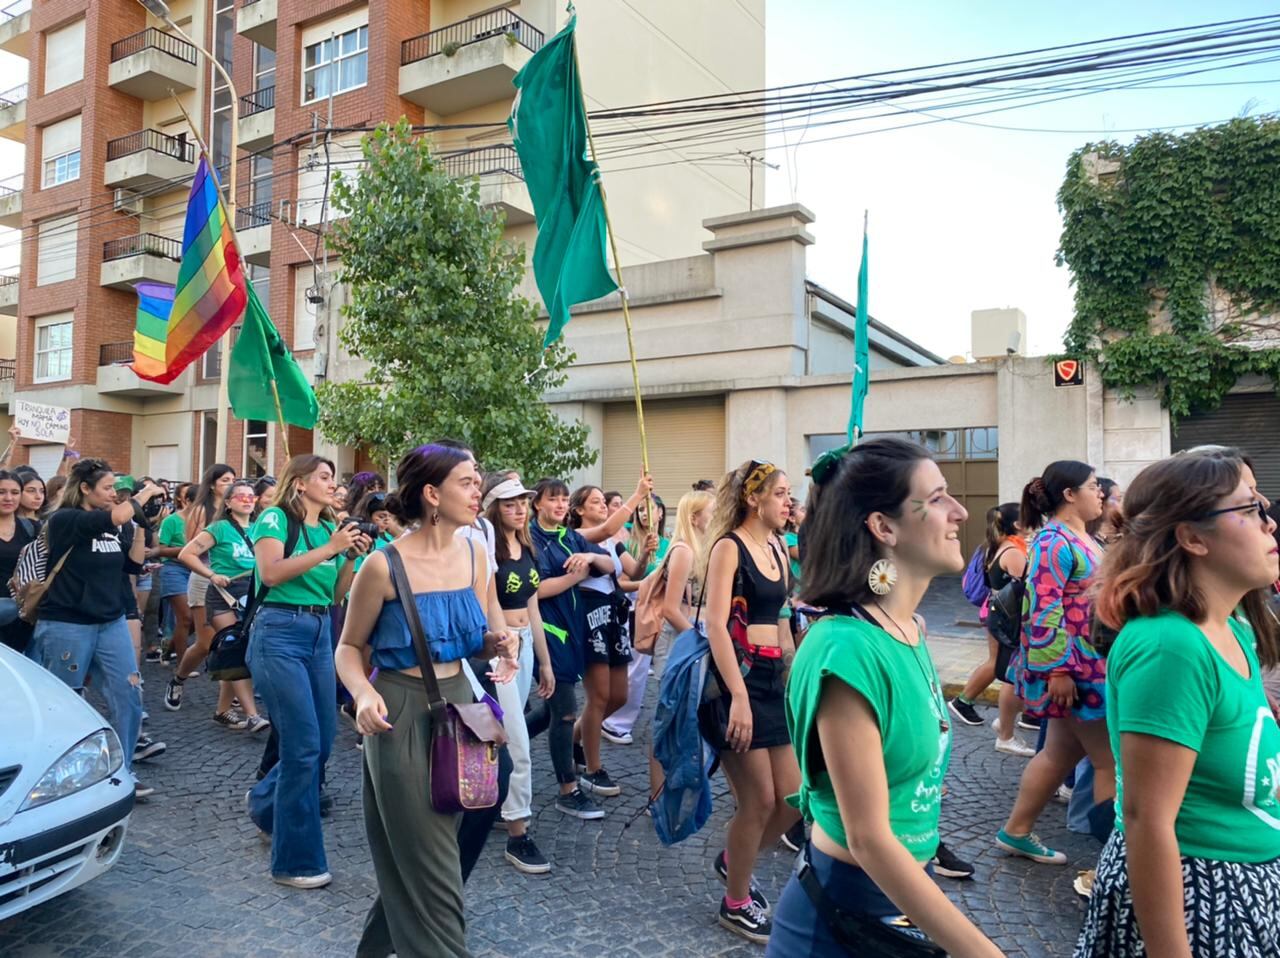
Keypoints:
pixel 1148 230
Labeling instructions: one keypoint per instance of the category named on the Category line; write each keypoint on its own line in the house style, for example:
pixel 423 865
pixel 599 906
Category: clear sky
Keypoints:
pixel 965 217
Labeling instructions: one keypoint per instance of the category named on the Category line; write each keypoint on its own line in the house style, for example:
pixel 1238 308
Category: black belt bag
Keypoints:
pixel 893 936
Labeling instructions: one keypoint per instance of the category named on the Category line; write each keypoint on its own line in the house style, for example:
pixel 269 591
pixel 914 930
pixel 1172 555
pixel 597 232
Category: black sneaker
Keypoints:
pixel 173 695
pixel 578 805
pixel 794 836
pixel 152 655
pixel 146 748
pixel 946 864
pixel 1025 721
pixel 598 782
pixel 524 854
pixel 757 896
pixel 965 711
pixel 750 921
pixel 171 656
pixel 579 758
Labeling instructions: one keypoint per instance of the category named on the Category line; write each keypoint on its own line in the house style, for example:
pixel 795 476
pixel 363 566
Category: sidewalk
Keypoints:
pixel 957 641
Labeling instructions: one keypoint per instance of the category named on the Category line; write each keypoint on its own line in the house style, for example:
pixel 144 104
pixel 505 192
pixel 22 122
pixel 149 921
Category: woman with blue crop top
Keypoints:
pixel 418 911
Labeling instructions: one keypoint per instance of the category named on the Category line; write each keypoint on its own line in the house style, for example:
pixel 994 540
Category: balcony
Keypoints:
pixel 256 20
pixel 11 202
pixel 152 63
pixel 146 257
pixel 8 372
pixel 466 64
pixel 9 296
pixel 257 126
pixel 117 379
pixel 13 114
pixel 253 232
pixel 15 28
pixel 148 158
pixel 501 179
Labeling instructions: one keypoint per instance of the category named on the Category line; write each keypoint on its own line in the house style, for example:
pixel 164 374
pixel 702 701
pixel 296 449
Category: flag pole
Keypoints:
pixel 617 272
pixel 284 429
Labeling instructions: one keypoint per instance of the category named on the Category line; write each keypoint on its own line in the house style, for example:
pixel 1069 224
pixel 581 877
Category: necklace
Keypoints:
pixel 768 553
pixel 935 697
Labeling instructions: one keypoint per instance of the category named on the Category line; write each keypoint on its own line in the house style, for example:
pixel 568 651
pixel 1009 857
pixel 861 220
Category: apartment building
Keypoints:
pixel 115 106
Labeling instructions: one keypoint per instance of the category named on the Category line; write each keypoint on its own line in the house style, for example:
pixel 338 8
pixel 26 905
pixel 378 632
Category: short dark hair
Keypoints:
pixel 1045 494
pixel 873 476
pixel 549 487
pixel 427 465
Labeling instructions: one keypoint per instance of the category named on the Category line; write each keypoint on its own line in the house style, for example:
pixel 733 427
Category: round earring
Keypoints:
pixel 435 518
pixel 882 577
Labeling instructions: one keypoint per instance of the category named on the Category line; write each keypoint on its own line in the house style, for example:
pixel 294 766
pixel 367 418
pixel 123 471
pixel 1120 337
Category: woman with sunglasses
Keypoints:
pixel 1192 869
pixel 1059 673
pixel 746 582
pixel 230 573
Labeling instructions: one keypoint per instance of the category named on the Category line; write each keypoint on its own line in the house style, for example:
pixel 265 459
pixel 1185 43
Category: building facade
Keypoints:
pixel 114 110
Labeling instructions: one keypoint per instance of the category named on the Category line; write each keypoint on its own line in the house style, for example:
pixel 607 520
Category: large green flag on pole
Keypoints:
pixel 263 379
pixel 549 129
pixel 861 359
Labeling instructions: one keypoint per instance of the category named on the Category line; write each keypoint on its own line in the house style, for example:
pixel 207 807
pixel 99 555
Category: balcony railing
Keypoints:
pixel 7 369
pixel 258 101
pixel 483 161
pixel 140 244
pixel 156 40
pixel 15 10
pixel 13 97
pixel 8 187
pixel 115 354
pixel 259 214
pixel 175 146
pixel 456 35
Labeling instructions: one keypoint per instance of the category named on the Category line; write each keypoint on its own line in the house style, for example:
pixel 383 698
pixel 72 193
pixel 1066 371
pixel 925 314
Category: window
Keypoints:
pixel 208 438
pixel 317 174
pixel 53 348
pixel 64 56
pixel 56 249
pixel 337 64
pixel 255 449
pixel 60 151
pixel 305 312
pixel 224 31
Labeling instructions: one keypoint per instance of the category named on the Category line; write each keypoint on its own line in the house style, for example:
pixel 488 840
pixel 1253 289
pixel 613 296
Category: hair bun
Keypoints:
pixel 395 506
pixel 1040 495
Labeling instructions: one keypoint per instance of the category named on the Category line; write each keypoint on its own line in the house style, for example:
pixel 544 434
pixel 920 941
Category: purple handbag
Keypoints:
pixel 464 738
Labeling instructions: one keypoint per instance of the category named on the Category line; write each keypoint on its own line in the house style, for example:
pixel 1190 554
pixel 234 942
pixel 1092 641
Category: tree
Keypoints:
pixel 452 350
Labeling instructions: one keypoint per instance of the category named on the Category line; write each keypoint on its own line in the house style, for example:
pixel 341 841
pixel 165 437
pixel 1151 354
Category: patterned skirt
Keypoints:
pixel 1229 907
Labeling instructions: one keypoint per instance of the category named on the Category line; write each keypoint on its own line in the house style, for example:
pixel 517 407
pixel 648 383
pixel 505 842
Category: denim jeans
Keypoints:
pixel 72 650
pixel 292 664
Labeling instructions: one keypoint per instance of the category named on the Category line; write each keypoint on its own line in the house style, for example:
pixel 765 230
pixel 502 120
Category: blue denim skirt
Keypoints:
pixel 173 579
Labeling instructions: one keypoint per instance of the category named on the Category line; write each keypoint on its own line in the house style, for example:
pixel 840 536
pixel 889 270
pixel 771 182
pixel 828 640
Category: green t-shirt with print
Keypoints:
pixel 232 553
pixel 316 585
pixel 1166 680
pixel 901 685
pixel 173 532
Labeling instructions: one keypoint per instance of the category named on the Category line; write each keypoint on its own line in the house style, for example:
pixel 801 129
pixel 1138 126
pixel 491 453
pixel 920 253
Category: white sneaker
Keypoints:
pixel 1014 746
pixel 1062 795
pixel 303 881
pixel 617 738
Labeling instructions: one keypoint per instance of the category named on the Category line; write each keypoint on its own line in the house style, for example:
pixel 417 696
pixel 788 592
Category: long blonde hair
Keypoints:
pixel 731 502
pixel 288 498
pixel 691 503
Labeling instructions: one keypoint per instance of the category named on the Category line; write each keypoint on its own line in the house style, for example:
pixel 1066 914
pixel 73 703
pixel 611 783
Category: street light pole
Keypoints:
pixel 160 10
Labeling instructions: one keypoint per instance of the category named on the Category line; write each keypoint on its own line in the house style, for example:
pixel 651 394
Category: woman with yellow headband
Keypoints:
pixel 746 589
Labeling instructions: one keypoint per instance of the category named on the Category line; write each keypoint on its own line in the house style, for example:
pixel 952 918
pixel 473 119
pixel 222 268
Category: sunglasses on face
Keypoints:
pixel 1255 506
pixel 250 497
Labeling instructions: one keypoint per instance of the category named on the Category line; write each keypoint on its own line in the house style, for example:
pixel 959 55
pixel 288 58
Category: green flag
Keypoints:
pixel 861 359
pixel 549 129
pixel 260 358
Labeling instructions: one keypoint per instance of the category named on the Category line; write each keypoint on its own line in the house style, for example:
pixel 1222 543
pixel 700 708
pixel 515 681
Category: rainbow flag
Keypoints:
pixel 210 295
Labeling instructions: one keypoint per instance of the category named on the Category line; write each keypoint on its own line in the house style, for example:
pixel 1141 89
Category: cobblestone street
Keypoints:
pixel 193 878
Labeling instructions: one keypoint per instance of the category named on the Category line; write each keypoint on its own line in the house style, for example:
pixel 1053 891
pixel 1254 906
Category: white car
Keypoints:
pixel 65 797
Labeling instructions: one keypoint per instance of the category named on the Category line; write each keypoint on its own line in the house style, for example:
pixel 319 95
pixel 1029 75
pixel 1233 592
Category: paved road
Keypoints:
pixel 193 877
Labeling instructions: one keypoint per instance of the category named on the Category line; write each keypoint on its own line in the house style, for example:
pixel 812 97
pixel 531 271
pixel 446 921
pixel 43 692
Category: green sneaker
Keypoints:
pixel 1029 846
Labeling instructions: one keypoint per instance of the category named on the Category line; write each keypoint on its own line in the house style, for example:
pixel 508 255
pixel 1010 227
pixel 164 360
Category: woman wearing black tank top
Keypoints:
pixel 746 588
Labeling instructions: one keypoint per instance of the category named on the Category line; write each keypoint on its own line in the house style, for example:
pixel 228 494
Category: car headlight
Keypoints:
pixel 88 762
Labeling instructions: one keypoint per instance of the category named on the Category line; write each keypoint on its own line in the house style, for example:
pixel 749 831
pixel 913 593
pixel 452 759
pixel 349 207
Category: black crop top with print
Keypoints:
pixel 517 580
pixel 765 597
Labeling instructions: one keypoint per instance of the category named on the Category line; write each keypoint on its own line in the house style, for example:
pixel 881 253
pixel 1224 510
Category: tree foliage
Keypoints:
pixel 432 307
pixel 1174 245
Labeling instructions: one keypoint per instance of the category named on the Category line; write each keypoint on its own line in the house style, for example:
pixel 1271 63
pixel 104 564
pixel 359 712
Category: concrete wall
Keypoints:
pixel 1134 434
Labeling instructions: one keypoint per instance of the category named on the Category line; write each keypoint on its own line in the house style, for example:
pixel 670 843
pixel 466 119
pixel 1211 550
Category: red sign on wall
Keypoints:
pixel 1068 372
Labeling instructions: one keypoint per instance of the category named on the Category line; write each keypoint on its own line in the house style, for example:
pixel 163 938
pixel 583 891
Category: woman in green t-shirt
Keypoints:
pixel 229 570
pixel 291 657
pixel 1193 866
pixel 174 576
pixel 866 713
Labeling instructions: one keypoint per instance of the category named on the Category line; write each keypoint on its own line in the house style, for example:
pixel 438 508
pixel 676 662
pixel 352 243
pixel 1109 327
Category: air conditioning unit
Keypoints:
pixel 127 201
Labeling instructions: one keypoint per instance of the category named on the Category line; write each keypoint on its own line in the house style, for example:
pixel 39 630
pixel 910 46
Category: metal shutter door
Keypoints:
pixel 1250 421
pixel 686 443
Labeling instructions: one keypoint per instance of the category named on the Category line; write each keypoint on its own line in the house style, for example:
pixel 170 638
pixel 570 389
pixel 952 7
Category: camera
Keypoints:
pixel 371 529
pixel 153 507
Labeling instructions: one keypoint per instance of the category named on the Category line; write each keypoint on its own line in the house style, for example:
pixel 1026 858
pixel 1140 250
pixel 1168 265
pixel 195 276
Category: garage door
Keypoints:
pixel 686 443
pixel 1250 421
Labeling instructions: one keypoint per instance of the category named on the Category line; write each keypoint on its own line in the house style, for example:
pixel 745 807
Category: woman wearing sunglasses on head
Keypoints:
pixel 1192 869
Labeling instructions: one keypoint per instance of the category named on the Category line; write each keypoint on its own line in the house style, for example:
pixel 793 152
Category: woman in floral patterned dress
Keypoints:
pixel 1059 674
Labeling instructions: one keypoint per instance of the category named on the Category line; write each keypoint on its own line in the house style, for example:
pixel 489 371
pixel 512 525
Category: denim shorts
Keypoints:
pixel 173 579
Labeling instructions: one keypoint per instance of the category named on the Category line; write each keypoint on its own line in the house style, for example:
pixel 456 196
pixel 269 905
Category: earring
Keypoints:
pixel 435 518
pixel 882 577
